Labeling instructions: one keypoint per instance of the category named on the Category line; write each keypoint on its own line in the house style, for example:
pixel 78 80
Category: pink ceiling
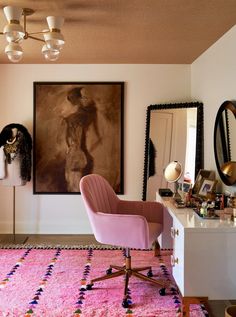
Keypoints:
pixel 127 31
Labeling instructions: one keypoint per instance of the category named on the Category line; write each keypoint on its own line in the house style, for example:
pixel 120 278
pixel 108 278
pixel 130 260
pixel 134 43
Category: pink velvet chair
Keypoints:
pixel 127 224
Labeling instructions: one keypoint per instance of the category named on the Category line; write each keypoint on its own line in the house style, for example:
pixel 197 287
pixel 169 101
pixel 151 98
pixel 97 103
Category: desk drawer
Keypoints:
pixel 177 233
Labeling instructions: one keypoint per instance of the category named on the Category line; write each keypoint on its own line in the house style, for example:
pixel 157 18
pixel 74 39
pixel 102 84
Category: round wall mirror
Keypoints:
pixel 225 142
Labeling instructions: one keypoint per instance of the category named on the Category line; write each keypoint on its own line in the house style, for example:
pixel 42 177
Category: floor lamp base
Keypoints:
pixel 14 238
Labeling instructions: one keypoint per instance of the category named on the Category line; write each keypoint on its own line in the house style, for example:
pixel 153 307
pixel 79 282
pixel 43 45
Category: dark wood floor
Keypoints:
pixel 49 239
pixel 217 307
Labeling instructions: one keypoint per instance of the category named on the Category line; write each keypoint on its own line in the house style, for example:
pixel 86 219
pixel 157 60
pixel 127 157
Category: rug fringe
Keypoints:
pixel 66 247
pixel 58 246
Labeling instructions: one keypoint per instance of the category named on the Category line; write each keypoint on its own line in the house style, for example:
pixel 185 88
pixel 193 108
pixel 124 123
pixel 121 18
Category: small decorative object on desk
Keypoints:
pixel 166 192
pixel 179 203
pixel 234 215
pixel 211 195
pixel 206 215
pixel 232 205
pixel 232 201
pixel 185 187
pixel 191 201
pixel 206 210
pixel 219 201
pixel 188 195
pixel 228 214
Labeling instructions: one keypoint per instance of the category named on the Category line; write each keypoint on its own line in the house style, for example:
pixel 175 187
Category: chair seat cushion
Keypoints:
pixel 155 230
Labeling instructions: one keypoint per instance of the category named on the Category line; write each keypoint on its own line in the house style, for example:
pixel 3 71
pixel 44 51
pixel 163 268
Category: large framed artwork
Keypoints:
pixel 78 130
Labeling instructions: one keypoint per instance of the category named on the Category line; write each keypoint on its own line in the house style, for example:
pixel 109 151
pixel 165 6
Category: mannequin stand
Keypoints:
pixel 14 238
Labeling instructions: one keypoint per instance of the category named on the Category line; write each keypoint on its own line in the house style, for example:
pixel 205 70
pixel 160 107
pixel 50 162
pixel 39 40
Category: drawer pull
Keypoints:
pixel 174 232
pixel 174 260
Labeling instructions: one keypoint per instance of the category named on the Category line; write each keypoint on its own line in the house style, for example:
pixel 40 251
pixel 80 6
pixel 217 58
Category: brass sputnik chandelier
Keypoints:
pixel 15 33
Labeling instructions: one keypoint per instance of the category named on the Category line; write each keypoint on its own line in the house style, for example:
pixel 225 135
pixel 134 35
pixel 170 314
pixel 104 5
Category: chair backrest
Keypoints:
pixel 98 195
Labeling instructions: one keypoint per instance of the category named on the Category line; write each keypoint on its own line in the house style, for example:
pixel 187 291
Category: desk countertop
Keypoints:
pixel 190 220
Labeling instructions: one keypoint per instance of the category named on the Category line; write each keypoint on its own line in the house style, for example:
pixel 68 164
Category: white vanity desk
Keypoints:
pixel 204 253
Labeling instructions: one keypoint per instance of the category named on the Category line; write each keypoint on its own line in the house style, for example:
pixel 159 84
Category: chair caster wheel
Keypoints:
pixel 149 273
pixel 89 287
pixel 162 291
pixel 108 271
pixel 125 303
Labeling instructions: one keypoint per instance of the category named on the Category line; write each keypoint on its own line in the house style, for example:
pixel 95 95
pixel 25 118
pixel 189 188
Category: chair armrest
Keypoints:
pixel 121 230
pixel 151 210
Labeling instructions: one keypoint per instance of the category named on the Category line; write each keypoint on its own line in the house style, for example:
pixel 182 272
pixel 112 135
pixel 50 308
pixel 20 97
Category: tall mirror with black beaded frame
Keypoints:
pixel 225 142
pixel 174 132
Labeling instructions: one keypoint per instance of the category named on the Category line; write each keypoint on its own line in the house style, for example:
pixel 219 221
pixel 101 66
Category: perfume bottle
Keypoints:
pixel 203 209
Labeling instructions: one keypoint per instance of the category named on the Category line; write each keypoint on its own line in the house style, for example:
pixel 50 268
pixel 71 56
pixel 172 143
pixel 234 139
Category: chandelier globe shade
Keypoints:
pixel 54 39
pixel 50 54
pixel 14 52
pixel 15 33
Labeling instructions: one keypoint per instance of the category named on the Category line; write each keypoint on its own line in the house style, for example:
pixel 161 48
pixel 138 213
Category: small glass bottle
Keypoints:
pixel 188 197
pixel 203 209
pixel 218 201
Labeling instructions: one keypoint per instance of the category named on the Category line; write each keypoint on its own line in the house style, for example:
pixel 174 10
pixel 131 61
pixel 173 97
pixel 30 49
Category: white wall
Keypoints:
pixel 144 85
pixel 213 80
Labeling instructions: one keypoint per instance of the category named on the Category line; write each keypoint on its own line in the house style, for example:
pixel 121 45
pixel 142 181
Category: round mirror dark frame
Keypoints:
pixel 222 140
pixel 199 159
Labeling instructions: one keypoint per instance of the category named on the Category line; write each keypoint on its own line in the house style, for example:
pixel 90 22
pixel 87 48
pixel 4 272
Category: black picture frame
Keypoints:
pixel 78 130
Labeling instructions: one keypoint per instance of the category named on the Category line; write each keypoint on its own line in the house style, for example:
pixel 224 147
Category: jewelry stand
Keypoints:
pixel 14 238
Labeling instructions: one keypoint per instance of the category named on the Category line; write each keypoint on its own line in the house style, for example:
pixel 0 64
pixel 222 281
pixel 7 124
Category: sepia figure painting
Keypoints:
pixel 78 130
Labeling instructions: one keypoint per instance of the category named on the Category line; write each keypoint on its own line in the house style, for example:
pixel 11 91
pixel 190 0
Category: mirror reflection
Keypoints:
pixel 225 142
pixel 173 133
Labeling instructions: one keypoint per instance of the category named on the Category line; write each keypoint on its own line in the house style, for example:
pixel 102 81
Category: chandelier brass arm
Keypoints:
pixel 34 38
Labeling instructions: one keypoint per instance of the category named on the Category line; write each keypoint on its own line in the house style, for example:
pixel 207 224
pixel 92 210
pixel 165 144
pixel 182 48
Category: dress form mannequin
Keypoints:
pixel 15 161
pixel 2 163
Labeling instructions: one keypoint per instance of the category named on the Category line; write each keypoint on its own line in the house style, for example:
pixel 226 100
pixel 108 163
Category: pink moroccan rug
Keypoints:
pixel 51 283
